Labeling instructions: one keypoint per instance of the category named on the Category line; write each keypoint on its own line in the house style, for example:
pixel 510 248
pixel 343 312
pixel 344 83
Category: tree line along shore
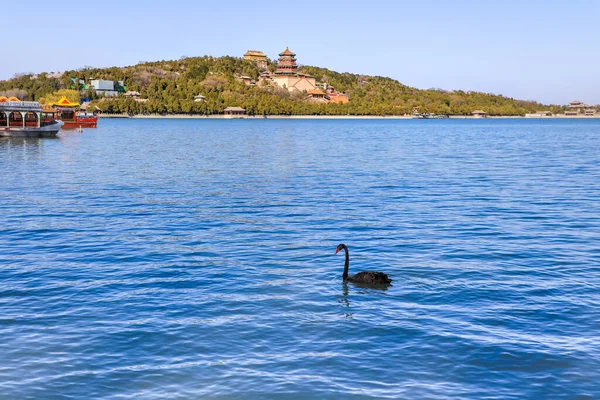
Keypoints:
pixel 208 85
pixel 389 117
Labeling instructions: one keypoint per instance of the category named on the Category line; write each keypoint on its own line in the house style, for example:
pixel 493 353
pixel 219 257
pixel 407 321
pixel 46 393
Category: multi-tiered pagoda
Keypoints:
pixel 287 74
pixel 287 63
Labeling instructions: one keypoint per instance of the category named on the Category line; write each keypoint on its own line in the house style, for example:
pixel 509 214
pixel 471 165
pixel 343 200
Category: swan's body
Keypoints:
pixel 366 277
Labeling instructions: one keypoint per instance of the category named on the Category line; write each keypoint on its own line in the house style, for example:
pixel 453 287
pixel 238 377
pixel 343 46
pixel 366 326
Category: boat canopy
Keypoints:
pixel 22 106
pixel 64 102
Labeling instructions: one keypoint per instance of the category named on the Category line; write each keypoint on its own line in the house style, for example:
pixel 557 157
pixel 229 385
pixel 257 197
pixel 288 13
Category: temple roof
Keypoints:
pixel 255 53
pixel 63 102
pixel 287 52
pixel 316 91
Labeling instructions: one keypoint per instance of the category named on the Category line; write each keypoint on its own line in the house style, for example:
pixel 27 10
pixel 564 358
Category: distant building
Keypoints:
pixel 135 96
pixel 287 74
pixel 234 112
pixel 107 88
pixel 479 114
pixel 318 96
pixel 539 114
pixel 99 84
pixel 339 99
pixel 335 97
pixel 132 94
pixel 78 84
pixel 246 79
pixel 265 78
pixel 199 98
pixel 577 105
pixel 257 57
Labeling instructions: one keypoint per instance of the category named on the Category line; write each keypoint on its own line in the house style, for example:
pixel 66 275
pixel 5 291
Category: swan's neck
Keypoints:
pixel 347 264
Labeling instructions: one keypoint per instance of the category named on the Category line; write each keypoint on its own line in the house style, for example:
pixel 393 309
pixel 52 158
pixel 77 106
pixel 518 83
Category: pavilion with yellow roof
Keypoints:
pixel 67 112
pixel 64 103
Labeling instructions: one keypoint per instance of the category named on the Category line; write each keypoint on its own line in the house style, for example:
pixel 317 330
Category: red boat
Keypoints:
pixel 73 118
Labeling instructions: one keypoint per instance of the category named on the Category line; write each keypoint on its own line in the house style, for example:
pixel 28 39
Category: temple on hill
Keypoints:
pixel 287 63
pixel 257 57
pixel 287 74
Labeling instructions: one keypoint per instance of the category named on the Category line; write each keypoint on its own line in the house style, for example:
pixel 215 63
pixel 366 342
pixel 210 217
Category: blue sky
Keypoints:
pixel 547 51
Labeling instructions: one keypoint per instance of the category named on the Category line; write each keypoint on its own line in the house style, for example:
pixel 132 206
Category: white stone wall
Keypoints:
pixel 294 83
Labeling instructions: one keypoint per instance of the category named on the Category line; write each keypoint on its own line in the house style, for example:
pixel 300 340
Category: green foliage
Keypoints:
pixel 71 95
pixel 170 87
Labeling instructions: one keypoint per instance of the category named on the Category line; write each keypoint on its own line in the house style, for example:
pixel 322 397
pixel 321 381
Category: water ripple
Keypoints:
pixel 194 259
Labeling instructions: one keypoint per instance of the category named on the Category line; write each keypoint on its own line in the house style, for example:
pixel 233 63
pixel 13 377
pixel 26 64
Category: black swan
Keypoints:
pixel 366 277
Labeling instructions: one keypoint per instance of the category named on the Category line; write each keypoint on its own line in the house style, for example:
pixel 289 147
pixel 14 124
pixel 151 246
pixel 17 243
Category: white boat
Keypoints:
pixel 27 119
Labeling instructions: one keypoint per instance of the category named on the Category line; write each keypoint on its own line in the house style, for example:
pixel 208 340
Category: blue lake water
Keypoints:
pixel 151 259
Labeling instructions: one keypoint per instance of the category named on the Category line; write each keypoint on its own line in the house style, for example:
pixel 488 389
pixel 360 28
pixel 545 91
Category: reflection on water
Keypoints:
pixel 21 147
pixel 8 142
pixel 344 301
pixel 365 287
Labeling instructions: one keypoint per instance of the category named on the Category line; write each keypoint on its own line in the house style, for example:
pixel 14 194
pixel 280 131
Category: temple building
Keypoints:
pixel 318 96
pixel 287 74
pixel 265 77
pixel 337 97
pixel 246 79
pixel 234 112
pixel 577 105
pixel 257 57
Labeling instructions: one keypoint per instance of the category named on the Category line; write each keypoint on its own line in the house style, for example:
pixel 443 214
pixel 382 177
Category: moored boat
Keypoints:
pixel 27 119
pixel 71 116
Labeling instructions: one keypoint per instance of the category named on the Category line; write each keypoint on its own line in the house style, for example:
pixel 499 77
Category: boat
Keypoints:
pixel 26 119
pixel 420 116
pixel 72 117
pixel 429 116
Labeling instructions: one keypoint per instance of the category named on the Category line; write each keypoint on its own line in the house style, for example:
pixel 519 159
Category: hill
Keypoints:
pixel 170 87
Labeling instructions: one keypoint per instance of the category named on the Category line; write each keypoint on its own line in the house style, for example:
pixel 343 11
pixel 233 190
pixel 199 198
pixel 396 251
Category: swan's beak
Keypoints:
pixel 337 251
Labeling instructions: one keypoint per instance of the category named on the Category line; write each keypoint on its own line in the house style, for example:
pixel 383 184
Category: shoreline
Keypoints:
pixel 399 117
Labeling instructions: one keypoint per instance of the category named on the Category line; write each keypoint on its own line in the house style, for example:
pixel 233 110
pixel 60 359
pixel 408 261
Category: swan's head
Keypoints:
pixel 341 246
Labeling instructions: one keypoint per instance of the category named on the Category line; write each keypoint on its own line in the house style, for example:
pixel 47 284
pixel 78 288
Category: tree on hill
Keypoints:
pixel 71 95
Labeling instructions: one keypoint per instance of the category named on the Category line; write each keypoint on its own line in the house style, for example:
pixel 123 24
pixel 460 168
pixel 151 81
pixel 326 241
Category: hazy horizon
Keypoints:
pixel 537 51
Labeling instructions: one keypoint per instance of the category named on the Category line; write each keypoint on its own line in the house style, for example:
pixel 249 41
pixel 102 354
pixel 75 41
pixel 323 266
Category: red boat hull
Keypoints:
pixel 81 123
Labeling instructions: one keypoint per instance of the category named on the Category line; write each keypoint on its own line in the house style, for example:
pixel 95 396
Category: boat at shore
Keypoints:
pixel 72 117
pixel 27 119
pixel 429 116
